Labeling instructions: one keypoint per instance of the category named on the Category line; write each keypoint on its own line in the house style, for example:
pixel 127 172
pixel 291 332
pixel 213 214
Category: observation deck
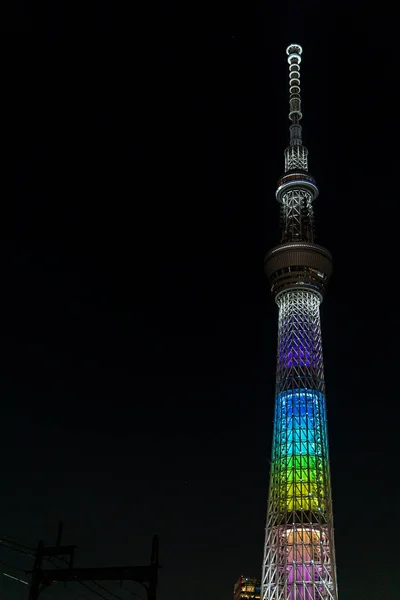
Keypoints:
pixel 298 265
pixel 295 180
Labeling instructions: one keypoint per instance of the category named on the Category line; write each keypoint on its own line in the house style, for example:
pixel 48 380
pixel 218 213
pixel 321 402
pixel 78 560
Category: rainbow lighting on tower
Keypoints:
pixel 299 557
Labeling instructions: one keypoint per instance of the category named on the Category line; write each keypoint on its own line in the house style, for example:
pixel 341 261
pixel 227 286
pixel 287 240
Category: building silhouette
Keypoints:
pixel 246 588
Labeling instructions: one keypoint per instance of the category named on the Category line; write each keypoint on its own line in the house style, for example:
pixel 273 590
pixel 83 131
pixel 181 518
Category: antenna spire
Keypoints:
pixel 297 189
pixel 296 153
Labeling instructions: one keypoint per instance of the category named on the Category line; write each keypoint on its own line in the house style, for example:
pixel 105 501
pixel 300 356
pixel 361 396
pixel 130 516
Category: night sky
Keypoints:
pixel 138 335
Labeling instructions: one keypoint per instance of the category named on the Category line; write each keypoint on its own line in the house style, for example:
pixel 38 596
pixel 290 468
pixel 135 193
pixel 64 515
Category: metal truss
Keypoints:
pixel 299 561
pixel 297 215
pixel 296 157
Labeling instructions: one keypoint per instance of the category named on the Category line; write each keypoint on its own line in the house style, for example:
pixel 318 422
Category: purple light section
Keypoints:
pixel 296 343
pixel 301 590
pixel 299 357
pixel 304 591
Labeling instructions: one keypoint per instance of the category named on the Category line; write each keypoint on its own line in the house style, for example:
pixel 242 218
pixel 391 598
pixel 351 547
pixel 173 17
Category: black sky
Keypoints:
pixel 138 337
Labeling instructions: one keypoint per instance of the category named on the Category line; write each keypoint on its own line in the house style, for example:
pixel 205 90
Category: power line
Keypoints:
pixel 127 589
pixel 5 541
pixel 5 544
pixel 106 590
pixel 68 574
pixel 93 591
pixel 12 566
pixel 99 584
pixel 69 592
pixel 82 583
pixel 15 578
pixel 10 540
pixel 96 582
pixel 119 583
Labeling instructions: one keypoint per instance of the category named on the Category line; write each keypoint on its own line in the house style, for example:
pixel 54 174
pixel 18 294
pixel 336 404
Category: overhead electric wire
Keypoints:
pixel 90 589
pixel 127 589
pixel 84 584
pixel 12 566
pixel 100 585
pixel 106 590
pixel 15 578
pixel 8 542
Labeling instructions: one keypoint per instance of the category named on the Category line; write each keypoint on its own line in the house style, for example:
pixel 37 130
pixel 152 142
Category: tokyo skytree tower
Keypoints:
pixel 299 556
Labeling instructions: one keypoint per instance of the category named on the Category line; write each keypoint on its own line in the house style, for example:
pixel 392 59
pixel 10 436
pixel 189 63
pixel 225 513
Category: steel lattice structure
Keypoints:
pixel 299 557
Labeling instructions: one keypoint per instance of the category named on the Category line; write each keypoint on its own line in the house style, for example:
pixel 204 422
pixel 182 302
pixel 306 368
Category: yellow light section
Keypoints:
pixel 301 496
pixel 300 483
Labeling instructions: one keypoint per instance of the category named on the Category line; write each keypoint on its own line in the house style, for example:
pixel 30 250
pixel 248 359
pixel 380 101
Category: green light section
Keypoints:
pixel 301 483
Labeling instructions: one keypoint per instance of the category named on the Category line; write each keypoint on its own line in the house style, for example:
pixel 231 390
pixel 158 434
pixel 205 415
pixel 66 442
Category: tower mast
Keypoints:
pixel 299 557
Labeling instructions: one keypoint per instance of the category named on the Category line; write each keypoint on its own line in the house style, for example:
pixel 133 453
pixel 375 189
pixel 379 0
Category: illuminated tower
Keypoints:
pixel 299 557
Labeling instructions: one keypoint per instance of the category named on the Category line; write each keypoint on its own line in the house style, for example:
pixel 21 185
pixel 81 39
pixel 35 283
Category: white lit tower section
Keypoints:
pixel 299 557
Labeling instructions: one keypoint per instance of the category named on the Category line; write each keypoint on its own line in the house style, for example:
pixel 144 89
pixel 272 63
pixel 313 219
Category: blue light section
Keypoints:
pixel 298 458
pixel 300 415
pixel 300 410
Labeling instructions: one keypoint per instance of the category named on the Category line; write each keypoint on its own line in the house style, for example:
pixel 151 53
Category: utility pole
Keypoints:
pixel 41 578
pixel 42 552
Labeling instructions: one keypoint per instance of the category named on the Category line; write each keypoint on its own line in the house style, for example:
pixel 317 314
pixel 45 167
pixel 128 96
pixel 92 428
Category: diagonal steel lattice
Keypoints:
pixel 297 215
pixel 299 557
pixel 299 561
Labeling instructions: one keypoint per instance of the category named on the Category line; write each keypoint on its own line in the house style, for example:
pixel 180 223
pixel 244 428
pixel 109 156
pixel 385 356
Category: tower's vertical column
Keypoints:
pixel 299 562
